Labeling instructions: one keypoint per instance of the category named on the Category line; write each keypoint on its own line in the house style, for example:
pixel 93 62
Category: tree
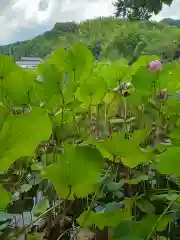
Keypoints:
pixel 139 9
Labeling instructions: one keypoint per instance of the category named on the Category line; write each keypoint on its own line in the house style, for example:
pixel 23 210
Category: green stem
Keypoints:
pixel 97 121
pixel 125 117
pixel 161 217
pixel 63 102
pixel 94 198
pixel 106 124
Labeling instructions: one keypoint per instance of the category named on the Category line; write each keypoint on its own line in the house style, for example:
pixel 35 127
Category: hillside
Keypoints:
pixel 172 22
pixel 41 45
pixel 117 38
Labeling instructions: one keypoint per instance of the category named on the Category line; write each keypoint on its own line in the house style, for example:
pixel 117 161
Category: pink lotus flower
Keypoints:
pixel 155 66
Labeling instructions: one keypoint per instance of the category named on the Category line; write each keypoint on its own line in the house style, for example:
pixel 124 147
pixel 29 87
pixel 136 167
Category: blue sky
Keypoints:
pixel 23 19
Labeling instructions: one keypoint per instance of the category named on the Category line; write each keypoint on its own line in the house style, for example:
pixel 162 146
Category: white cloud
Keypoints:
pixel 18 16
pixel 172 11
pixel 23 19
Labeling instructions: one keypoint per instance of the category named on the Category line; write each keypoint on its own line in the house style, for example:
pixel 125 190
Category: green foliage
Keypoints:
pixel 118 39
pixel 139 230
pixel 40 46
pixel 90 136
pixel 108 218
pixel 6 198
pixel 20 135
pixel 170 21
pixel 118 148
pixel 41 207
pixel 168 161
pixel 73 181
pixel 138 10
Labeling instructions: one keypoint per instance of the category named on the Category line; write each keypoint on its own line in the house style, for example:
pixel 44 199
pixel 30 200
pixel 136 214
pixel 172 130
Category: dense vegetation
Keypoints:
pixel 172 22
pixel 39 46
pixel 98 141
pixel 139 10
pixel 118 38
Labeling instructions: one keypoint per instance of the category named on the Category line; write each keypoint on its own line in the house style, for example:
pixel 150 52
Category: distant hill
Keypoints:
pixel 118 38
pixel 41 45
pixel 170 21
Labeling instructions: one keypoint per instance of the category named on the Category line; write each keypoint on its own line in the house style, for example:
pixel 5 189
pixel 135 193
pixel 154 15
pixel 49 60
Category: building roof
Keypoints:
pixel 27 62
pixel 30 59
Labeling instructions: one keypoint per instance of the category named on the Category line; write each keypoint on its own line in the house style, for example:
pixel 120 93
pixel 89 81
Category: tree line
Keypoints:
pixel 139 9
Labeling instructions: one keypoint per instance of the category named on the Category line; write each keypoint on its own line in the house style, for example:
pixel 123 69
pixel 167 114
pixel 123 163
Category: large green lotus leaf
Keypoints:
pixel 117 148
pixel 54 103
pixel 106 152
pixel 29 76
pixel 63 117
pixel 143 79
pixel 2 93
pixel 110 97
pixel 103 219
pixel 165 78
pixel 92 90
pixel 170 80
pixel 17 86
pixel 52 78
pixel 49 89
pixel 168 161
pixel 114 73
pixel 172 106
pixel 7 66
pixel 63 78
pixel 132 155
pixel 143 82
pixel 37 94
pixel 140 229
pixel 77 169
pixel 150 220
pixel 3 115
pixel 110 148
pixel 138 97
pixel 77 61
pixel 5 198
pixel 80 61
pixel 20 136
pixel 69 91
pixel 59 59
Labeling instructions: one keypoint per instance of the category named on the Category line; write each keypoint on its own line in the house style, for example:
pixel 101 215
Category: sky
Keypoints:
pixel 24 19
